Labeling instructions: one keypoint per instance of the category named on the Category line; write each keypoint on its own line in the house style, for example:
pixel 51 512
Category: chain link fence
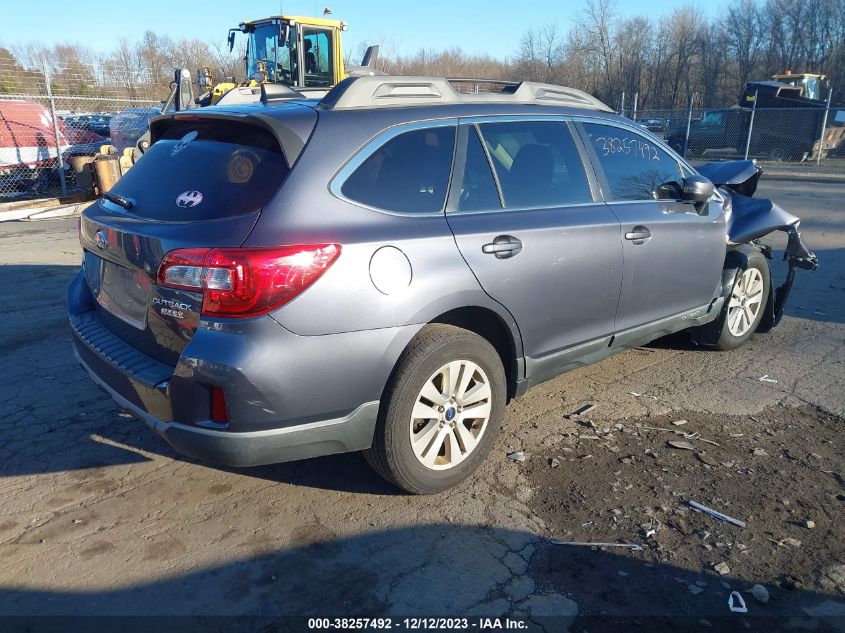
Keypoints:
pixel 809 139
pixel 54 119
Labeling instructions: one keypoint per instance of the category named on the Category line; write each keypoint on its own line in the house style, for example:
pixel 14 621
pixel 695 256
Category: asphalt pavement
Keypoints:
pixel 100 517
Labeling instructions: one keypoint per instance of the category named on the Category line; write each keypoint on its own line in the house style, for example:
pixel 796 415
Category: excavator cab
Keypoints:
pixel 811 84
pixel 287 57
pixel 302 53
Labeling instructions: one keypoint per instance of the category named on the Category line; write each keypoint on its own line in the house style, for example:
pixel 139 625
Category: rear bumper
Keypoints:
pixel 288 397
pixel 353 432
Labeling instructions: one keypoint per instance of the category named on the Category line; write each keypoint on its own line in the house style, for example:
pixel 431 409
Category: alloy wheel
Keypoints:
pixel 450 415
pixel 746 302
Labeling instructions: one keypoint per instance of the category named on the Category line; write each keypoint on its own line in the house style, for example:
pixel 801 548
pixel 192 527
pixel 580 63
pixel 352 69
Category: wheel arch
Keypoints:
pixel 736 261
pixel 490 325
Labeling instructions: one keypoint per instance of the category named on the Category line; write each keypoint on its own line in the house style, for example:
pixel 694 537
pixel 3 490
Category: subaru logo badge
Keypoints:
pixel 102 240
pixel 188 199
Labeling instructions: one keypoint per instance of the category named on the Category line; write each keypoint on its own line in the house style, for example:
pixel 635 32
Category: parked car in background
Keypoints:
pixel 96 123
pixel 383 270
pixel 127 126
pixel 28 145
pixel 657 126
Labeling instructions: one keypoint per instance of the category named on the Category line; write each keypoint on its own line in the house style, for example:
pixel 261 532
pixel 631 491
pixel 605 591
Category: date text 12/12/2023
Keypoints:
pixel 418 624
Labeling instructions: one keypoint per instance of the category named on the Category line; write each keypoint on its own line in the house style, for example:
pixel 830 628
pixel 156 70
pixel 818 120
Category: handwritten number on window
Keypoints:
pixel 626 146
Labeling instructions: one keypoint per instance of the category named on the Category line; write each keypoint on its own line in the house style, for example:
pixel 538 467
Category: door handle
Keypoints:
pixel 503 246
pixel 639 235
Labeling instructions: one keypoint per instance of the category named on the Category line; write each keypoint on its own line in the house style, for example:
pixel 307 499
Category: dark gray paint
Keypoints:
pixel 307 378
pixel 678 268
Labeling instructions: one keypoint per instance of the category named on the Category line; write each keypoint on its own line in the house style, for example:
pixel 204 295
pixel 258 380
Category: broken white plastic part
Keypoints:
pixel 736 608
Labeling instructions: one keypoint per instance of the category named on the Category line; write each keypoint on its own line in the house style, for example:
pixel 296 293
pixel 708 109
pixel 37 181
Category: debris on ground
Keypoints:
pixel 642 395
pixel 677 524
pixel 760 593
pixel 809 524
pixel 695 436
pixel 554 462
pixel 705 459
pixel 736 603
pixel 715 514
pixel 654 489
pixel 694 589
pixel 584 409
pixel 635 547
pixel 517 456
pixel 760 452
pixel 767 379
pixel 790 583
pixel 681 444
pixel 722 569
pixel 679 422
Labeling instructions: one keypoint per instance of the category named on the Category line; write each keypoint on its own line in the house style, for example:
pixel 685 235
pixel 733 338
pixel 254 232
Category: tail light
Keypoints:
pixel 246 282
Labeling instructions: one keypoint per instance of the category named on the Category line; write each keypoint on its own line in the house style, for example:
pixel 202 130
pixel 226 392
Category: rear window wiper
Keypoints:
pixel 119 200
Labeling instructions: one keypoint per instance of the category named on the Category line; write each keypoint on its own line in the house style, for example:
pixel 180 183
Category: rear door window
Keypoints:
pixel 632 165
pixel 408 174
pixel 478 189
pixel 537 163
pixel 205 171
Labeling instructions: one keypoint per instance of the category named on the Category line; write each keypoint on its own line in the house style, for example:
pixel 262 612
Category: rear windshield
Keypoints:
pixel 204 170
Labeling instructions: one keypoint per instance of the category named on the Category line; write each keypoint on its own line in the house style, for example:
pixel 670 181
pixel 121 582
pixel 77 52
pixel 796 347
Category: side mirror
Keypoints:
pixel 698 190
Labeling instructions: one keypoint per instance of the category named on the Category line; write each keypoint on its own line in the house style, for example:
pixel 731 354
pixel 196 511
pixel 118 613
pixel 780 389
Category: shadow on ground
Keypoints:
pixel 428 570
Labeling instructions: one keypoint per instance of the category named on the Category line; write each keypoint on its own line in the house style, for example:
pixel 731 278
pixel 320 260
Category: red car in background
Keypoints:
pixel 28 146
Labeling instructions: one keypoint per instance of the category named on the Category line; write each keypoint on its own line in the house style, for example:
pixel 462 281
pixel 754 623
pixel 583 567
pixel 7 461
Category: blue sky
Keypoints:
pixel 477 26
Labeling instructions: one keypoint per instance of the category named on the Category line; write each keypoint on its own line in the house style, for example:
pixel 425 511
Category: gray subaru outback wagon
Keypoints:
pixel 382 270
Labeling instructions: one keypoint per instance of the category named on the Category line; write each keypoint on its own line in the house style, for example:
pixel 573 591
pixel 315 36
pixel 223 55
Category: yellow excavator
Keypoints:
pixel 302 53
pixel 303 56
pixel 811 84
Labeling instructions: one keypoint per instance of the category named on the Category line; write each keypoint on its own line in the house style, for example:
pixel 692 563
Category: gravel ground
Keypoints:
pixel 101 517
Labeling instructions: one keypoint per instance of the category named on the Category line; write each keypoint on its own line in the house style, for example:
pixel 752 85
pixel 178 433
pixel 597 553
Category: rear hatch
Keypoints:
pixel 202 183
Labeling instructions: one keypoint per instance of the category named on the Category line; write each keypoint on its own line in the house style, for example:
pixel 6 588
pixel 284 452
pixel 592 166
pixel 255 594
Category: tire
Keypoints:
pixel 462 442
pixel 739 323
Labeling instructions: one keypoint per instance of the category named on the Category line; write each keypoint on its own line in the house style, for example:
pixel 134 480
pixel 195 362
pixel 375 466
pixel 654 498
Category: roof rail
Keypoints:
pixel 384 91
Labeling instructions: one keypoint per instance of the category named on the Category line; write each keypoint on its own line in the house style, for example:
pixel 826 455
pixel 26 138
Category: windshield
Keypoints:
pixel 812 88
pixel 266 44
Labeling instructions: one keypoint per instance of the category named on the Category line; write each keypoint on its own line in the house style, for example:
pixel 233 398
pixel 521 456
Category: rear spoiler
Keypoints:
pixel 291 130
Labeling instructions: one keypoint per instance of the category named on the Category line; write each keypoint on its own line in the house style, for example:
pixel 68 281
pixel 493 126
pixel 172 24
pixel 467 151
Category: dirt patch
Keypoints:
pixel 624 482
